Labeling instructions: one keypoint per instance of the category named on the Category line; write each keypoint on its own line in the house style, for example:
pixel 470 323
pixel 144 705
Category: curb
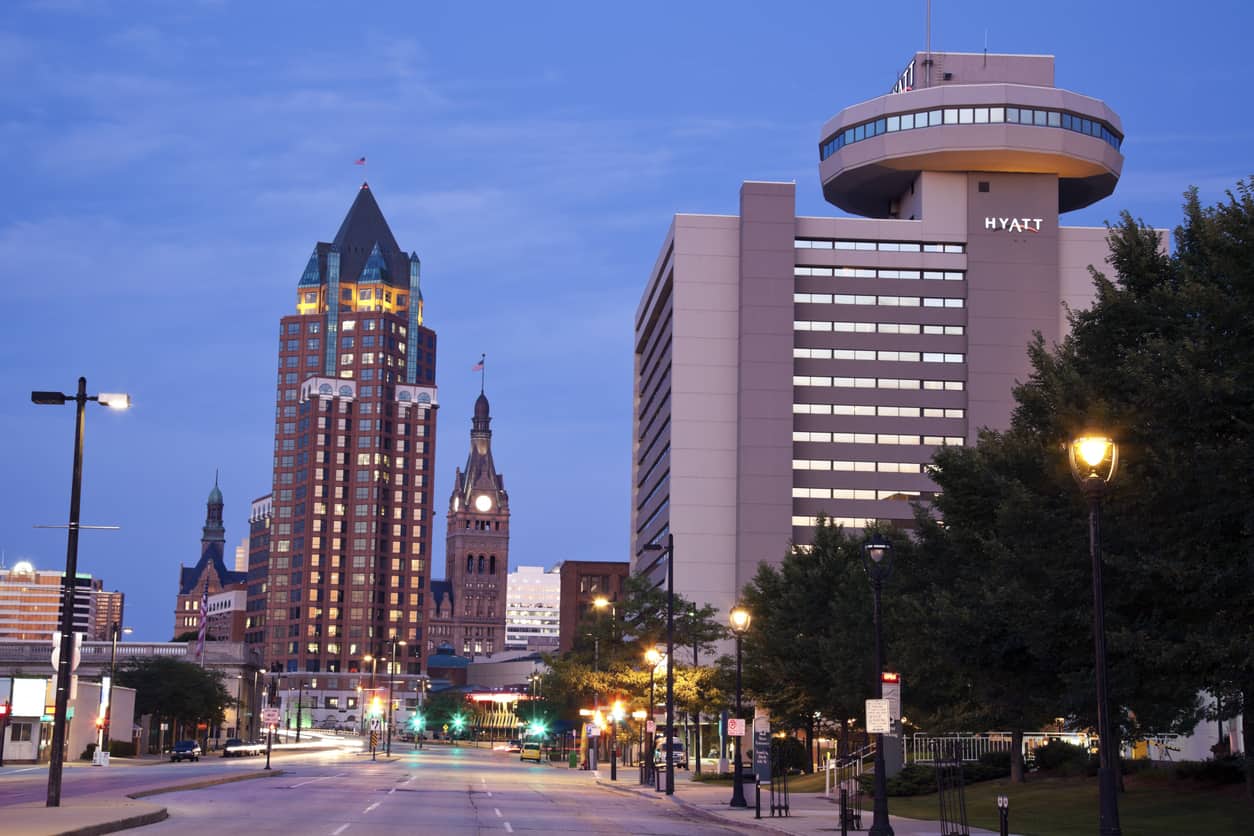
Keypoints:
pixel 200 785
pixel 691 807
pixel 151 817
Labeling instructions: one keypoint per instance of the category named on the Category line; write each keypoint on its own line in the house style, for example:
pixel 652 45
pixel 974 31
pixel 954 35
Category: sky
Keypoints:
pixel 166 169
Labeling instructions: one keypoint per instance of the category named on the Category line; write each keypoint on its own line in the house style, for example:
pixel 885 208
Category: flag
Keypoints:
pixel 477 367
pixel 359 161
pixel 204 622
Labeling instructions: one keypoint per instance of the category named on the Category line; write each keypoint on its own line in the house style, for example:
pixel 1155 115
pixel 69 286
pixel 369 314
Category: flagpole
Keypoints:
pixel 483 371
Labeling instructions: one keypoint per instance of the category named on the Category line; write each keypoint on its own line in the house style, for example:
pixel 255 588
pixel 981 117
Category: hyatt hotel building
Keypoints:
pixel 789 366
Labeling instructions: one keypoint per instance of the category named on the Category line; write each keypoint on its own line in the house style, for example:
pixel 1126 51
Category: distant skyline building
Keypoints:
pixel 225 586
pixel 347 562
pixel 30 604
pixel 468 606
pixel 533 602
pixel 787 367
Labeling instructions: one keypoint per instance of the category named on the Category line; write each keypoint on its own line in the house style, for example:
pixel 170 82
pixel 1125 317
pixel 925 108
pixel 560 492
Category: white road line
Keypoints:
pixel 508 829
pixel 310 781
pixel 339 830
pixel 497 810
pixel 489 793
pixel 372 806
pixel 391 791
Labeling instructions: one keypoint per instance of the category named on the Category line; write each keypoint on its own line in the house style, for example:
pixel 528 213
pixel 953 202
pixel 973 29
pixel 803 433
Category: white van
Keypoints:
pixel 679 755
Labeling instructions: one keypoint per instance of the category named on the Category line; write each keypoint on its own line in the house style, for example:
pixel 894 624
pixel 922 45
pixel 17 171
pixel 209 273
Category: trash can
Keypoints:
pixel 573 760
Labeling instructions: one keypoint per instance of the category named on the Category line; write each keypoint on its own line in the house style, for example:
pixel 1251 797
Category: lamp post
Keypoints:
pixel 392 642
pixel 653 658
pixel 300 699
pixel 616 717
pixel 739 618
pixel 877 554
pixel 1094 459
pixel 669 549
pixel 239 692
pixel 114 630
pixel 370 691
pixel 692 625
pixel 64 660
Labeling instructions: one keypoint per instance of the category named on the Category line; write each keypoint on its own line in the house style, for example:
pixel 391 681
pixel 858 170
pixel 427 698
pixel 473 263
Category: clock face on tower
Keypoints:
pixel 457 503
pixel 483 503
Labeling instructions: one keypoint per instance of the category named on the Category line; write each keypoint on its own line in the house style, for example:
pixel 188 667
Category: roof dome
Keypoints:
pixel 215 495
pixel 481 406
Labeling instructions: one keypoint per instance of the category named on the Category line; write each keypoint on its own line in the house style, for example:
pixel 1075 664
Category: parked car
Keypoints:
pixel 514 746
pixel 678 754
pixel 185 750
pixel 236 748
pixel 531 752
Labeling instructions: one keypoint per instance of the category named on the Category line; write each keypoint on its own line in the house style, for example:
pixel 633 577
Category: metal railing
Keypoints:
pixel 919 748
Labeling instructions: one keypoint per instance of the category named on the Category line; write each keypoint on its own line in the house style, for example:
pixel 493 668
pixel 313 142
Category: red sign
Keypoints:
pixel 650 726
pixel 890 677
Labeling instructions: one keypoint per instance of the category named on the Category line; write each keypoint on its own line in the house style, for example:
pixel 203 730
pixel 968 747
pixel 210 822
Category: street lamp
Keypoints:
pixel 1094 459
pixel 392 642
pixel 373 661
pixel 739 618
pixel 80 399
pixel 300 699
pixel 107 693
pixel 653 658
pixel 877 559
pixel 669 550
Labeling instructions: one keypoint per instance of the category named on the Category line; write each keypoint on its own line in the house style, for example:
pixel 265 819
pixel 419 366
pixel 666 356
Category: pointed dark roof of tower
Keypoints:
pixel 215 495
pixel 363 231
pixel 364 226
pixel 480 473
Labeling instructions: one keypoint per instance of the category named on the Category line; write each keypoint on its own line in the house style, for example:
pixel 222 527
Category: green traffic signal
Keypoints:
pixel 418 722
pixel 458 722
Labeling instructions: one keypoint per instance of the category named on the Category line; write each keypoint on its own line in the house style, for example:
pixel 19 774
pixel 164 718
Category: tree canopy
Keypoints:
pixel 175 690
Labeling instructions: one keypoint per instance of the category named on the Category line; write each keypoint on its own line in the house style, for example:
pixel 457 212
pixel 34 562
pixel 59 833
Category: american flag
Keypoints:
pixel 478 367
pixel 359 161
pixel 204 623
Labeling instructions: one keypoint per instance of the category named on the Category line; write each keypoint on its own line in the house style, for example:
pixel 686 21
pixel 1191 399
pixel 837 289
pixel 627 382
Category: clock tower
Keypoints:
pixel 477 546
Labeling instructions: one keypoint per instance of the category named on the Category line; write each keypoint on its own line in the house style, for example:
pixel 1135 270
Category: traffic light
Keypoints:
pixel 100 721
pixel 417 722
pixel 6 709
pixel 459 722
pixel 536 729
pixel 376 707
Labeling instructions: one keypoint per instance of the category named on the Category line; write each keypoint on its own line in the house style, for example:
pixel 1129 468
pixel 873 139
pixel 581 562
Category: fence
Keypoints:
pixel 920 747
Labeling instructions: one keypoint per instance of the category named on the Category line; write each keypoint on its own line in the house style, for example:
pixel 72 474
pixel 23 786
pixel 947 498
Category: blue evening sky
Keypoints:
pixel 168 166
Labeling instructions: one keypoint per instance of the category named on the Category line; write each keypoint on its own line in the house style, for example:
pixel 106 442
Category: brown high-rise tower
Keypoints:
pixel 349 535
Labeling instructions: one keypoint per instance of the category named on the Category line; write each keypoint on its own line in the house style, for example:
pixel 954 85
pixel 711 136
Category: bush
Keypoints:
pixel 88 753
pixel 912 780
pixel 1229 770
pixel 1062 758
pixel 997 760
pixel 121 749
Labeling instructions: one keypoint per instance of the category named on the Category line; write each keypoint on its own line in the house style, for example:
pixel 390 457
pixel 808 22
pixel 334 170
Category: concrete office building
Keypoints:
pixel 30 604
pixel 533 601
pixel 790 366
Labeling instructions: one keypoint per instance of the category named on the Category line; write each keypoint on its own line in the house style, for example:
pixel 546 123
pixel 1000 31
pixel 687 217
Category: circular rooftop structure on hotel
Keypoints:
pixel 872 152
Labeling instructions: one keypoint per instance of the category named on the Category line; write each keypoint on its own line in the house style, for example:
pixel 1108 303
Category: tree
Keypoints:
pixel 181 692
pixel 809 646
pixel 998 631
pixel 442 707
pixel 1166 354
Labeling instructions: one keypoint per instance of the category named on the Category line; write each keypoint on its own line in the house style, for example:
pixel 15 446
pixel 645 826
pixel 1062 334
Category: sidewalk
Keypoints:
pixel 809 813
pixel 81 817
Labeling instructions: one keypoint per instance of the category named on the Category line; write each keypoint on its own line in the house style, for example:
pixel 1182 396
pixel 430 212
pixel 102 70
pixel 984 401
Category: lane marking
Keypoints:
pixel 508 829
pixel 497 810
pixel 339 830
pixel 310 781
pixel 489 793
pixel 372 806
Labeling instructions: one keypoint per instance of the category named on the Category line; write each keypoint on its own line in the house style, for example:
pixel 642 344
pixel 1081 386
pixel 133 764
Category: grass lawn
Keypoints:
pixel 1154 805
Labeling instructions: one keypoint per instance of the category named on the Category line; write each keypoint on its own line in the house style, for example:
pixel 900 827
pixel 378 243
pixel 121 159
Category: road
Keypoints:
pixel 439 790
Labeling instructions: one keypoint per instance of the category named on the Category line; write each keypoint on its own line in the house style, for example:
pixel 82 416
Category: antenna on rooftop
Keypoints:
pixel 986 46
pixel 928 61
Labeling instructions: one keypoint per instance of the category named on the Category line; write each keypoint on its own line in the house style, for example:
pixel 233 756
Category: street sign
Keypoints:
pixel 762 755
pixel 890 687
pixel 650 726
pixel 735 727
pixel 878 717
pixel 269 717
pixel 376 724
pixel 592 730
